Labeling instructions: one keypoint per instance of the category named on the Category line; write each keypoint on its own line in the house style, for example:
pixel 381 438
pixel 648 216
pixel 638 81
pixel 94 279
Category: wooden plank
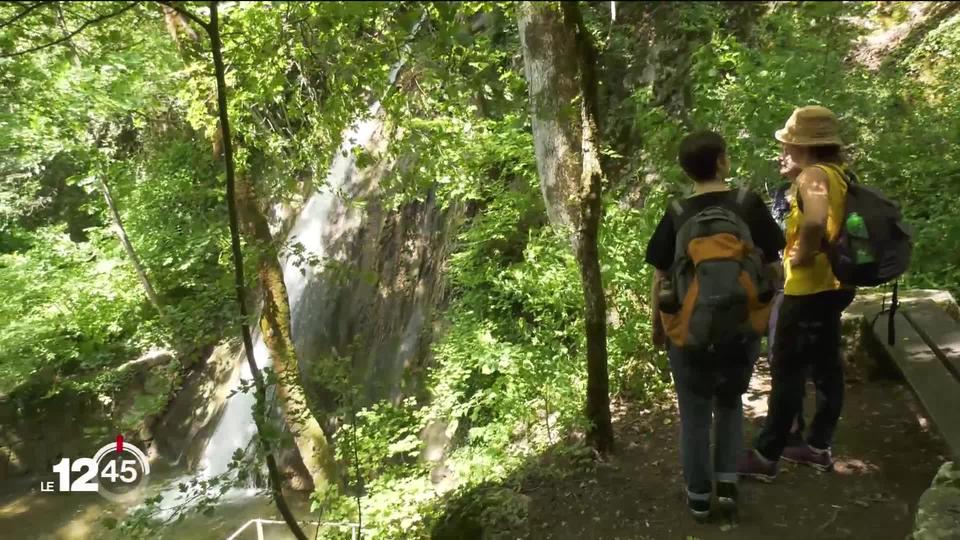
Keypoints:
pixel 938 330
pixel 935 387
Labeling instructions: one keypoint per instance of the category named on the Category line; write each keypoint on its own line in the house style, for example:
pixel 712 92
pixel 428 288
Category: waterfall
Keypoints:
pixel 235 428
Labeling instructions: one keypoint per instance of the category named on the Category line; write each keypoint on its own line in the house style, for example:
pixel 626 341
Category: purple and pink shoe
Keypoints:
pixel 752 464
pixel 805 454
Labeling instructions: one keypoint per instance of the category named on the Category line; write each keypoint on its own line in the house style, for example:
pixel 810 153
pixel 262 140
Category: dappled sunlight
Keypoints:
pixel 17 507
pixel 922 421
pixel 83 525
pixel 852 466
pixel 73 516
pixel 755 399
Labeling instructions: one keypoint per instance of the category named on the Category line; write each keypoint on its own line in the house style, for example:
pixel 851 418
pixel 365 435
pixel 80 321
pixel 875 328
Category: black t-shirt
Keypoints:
pixel 765 232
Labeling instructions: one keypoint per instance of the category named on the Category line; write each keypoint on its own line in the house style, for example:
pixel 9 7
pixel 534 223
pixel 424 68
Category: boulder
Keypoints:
pixel 938 512
pixel 948 476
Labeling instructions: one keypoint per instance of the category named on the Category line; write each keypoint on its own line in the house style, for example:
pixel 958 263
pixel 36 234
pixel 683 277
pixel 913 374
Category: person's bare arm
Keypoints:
pixel 812 188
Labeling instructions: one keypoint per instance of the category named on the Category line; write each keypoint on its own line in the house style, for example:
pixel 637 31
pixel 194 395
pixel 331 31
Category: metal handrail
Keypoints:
pixel 355 532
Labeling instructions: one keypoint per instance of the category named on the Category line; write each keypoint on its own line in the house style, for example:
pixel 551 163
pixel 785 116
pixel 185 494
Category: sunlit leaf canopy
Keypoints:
pixel 126 101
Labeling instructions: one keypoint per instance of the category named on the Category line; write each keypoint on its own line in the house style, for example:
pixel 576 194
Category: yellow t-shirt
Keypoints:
pixel 817 276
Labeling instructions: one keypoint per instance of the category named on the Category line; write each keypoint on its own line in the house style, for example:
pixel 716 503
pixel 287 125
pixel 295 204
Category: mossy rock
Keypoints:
pixel 938 511
pixel 938 515
pixel 948 476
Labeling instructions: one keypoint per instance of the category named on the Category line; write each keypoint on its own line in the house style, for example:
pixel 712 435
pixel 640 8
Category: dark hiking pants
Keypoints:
pixel 807 337
pixel 796 435
pixel 709 389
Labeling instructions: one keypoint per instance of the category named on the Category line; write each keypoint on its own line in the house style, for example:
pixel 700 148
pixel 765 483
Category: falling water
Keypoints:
pixel 236 428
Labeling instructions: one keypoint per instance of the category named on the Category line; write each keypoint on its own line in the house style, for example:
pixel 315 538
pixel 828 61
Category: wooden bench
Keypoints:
pixel 926 350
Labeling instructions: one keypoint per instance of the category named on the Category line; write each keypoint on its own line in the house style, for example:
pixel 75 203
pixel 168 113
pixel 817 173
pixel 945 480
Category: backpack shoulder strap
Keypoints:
pixel 677 211
pixel 742 195
pixel 845 174
pixel 676 206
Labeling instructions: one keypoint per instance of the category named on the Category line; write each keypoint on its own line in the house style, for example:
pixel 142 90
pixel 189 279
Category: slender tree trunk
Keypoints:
pixel 311 442
pixel 312 447
pixel 260 386
pixel 118 228
pixel 128 247
pixel 559 67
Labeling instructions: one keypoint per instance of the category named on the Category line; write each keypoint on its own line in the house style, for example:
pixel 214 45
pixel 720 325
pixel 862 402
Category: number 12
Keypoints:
pixel 86 480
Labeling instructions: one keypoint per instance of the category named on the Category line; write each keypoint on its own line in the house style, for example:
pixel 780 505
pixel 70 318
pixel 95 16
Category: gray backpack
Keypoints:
pixel 717 290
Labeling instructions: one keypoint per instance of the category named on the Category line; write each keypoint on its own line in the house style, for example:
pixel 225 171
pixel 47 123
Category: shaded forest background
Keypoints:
pixel 123 108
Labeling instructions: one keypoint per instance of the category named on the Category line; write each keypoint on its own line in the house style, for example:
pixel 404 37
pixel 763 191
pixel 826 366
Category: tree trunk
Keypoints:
pixel 128 247
pixel 311 442
pixel 261 389
pixel 118 228
pixel 559 67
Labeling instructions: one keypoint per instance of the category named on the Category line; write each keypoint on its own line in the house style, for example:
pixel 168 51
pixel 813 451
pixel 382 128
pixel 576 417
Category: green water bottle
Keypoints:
pixel 857 230
pixel 855 226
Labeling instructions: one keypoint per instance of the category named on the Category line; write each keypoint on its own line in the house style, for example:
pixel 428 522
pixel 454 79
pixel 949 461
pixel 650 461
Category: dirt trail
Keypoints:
pixel 886 457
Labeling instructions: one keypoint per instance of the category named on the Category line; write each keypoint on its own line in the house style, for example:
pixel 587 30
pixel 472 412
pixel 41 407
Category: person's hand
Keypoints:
pixel 659 337
pixel 797 259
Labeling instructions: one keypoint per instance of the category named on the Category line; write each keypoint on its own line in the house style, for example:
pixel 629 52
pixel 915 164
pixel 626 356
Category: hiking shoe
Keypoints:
pixel 700 508
pixel 754 465
pixel 805 454
pixel 727 495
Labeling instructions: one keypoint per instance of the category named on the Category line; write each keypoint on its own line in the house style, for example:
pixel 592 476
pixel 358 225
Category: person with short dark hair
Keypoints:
pixel 703 156
pixel 710 383
pixel 808 329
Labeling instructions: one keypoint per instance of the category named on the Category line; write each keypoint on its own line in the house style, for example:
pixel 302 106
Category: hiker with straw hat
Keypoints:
pixel 808 326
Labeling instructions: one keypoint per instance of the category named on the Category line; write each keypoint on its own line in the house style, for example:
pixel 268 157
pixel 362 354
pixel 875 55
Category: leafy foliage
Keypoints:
pixel 506 379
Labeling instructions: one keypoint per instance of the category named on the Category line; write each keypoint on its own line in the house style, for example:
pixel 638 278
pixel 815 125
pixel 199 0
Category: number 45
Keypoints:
pixel 127 473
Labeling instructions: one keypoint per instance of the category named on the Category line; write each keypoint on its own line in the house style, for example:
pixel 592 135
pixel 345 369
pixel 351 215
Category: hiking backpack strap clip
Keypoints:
pixel 677 208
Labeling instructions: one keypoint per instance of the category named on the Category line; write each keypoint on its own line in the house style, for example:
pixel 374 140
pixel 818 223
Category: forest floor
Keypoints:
pixel 885 452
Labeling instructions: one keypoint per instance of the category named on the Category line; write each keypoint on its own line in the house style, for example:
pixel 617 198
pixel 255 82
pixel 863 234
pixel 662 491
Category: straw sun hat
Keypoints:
pixel 812 125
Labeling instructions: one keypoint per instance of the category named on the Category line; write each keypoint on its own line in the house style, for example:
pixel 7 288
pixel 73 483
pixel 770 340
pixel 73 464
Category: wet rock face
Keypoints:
pixel 938 512
pixel 367 310
pixel 376 312
pixel 181 432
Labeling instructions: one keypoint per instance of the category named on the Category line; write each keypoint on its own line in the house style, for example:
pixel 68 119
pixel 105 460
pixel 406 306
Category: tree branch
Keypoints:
pixel 20 15
pixel 203 24
pixel 67 37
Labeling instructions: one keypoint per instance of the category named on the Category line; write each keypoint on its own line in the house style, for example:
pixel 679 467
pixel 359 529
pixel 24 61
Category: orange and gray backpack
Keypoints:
pixel 717 290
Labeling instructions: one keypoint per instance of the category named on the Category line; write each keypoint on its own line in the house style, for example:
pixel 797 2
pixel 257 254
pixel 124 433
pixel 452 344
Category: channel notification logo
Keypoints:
pixel 118 472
